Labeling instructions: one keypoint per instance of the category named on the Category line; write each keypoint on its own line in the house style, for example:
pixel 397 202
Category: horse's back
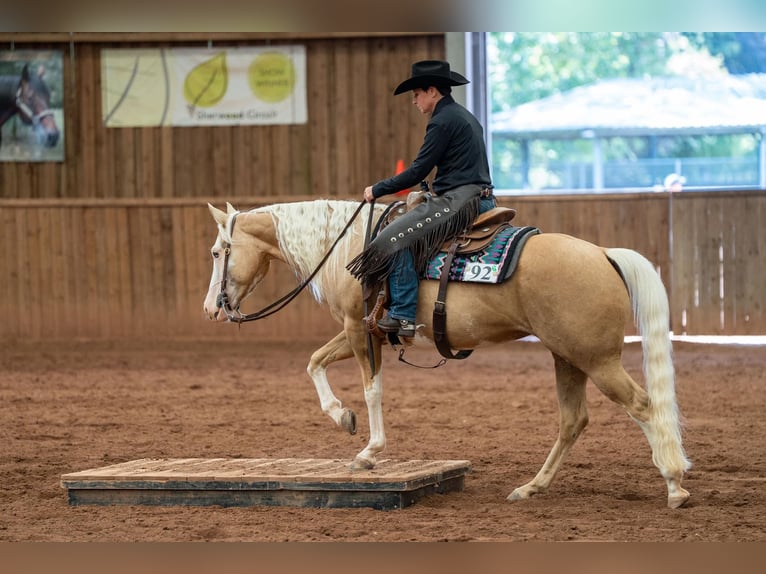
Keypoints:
pixel 564 291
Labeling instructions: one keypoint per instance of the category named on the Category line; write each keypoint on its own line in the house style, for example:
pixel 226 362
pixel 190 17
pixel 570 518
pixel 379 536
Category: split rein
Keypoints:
pixel 222 301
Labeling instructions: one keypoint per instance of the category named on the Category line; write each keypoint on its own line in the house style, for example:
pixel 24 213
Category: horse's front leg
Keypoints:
pixel 335 350
pixel 373 394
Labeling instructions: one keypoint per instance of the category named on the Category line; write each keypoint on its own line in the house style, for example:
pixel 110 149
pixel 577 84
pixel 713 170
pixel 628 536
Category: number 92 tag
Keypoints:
pixel 481 272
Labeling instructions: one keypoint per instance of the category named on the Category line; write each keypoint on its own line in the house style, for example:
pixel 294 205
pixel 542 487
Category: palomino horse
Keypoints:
pixel 28 96
pixel 575 297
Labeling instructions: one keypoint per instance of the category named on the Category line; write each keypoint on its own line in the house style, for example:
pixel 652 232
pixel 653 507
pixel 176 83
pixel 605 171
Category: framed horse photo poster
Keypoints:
pixel 31 105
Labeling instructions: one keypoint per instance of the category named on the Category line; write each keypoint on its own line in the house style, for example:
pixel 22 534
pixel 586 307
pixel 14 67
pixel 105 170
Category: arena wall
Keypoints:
pixel 113 243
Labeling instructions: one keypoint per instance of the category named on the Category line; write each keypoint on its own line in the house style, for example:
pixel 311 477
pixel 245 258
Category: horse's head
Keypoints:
pixel 33 102
pixel 242 254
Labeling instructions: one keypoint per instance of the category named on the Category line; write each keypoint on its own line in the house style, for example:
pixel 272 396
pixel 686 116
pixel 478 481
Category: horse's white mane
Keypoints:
pixel 306 230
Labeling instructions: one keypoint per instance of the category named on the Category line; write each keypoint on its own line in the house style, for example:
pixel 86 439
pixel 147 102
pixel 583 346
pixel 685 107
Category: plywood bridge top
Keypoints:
pixel 283 470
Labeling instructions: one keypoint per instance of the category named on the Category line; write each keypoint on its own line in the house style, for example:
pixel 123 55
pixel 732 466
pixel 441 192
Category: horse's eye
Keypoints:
pixel 216 254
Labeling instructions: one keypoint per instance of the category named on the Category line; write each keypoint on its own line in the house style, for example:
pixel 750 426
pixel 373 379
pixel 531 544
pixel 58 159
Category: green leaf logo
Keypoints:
pixel 206 84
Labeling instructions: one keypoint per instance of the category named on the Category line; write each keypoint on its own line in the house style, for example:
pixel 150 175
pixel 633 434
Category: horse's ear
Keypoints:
pixel 25 73
pixel 230 208
pixel 218 215
pixel 40 71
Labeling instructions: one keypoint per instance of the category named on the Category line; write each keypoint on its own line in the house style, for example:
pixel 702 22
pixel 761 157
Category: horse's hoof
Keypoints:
pixel 362 464
pixel 348 421
pixel 522 493
pixel 515 495
pixel 679 499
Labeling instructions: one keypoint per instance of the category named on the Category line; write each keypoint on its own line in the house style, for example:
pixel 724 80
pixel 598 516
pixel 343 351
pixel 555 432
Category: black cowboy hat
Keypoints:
pixel 430 73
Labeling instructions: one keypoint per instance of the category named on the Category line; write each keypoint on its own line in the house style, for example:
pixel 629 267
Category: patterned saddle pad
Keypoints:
pixel 493 264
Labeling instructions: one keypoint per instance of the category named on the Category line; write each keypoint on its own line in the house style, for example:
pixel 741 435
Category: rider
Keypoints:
pixel 462 188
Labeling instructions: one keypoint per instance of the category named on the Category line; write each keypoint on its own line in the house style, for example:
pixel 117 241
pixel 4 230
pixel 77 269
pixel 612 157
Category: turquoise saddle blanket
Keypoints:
pixel 494 263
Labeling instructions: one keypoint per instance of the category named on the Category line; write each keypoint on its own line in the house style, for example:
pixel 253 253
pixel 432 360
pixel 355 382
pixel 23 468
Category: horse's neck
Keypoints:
pixel 8 88
pixel 307 230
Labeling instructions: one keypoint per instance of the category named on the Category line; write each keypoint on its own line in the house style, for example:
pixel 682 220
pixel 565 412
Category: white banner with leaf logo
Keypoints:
pixel 203 86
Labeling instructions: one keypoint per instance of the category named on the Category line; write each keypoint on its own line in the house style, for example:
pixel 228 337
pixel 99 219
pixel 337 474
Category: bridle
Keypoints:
pixel 28 112
pixel 234 315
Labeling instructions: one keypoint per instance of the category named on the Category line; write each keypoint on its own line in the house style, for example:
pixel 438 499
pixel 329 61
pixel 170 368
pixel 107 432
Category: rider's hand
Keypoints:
pixel 368 197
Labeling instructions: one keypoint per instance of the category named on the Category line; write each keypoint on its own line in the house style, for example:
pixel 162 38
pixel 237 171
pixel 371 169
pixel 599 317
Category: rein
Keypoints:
pixel 222 301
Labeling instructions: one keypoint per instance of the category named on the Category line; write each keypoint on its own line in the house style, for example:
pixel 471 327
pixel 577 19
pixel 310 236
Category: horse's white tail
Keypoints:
pixel 652 317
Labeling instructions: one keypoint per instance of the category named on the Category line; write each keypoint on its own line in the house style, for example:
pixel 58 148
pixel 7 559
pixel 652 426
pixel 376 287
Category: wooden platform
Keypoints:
pixel 319 483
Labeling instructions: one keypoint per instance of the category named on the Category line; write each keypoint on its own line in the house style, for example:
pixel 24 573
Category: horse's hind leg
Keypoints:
pixel 335 350
pixel 573 417
pixel 667 453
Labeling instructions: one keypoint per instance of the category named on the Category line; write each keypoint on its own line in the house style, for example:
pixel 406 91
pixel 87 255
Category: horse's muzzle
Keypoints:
pixel 47 138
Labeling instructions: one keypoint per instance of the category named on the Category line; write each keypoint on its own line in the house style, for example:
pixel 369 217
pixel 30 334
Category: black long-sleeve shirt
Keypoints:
pixel 454 143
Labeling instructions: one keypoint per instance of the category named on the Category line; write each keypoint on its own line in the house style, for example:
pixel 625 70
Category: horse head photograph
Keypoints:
pixel 27 96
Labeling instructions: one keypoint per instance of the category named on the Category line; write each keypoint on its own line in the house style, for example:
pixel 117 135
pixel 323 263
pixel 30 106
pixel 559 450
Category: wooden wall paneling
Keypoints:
pixel 7 181
pixel 103 140
pixel 165 248
pixel 357 121
pixel 687 239
pixel 348 74
pixel 166 161
pixel 86 117
pixel 139 270
pixel 154 255
pixel 551 213
pixel 72 254
pixel 18 258
pixel 114 314
pixel 13 182
pixel 744 272
pixel 183 162
pixel 86 271
pixel 240 163
pixel 694 316
pixel 8 264
pixel 42 273
pixel 122 302
pixel 385 149
pixel 281 169
pixel 260 159
pixel 68 171
pixel 146 166
pixel 300 159
pixel 56 300
pixel 100 316
pixel 710 280
pixel 203 182
pixel 180 280
pixel 598 211
pixel 321 108
pixel 730 215
pixel 23 180
pixel 48 179
pixel 754 256
pixel 345 137
pixel 27 309
pixel 219 161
